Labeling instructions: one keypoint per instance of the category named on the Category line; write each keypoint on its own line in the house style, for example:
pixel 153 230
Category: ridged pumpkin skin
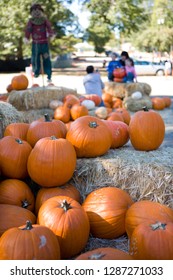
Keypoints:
pixel 105 253
pixel 14 216
pixel 114 116
pixel 147 130
pixel 144 211
pixel 119 131
pixel 158 103
pixel 106 209
pixel 125 114
pixel 68 220
pixel 46 193
pixel 86 135
pixel 16 192
pixel 29 242
pixel 40 129
pixel 152 241
pixel 14 154
pixel 52 162
pixel 19 82
pixel 78 111
pixel 167 100
pixel 62 113
pixel 18 130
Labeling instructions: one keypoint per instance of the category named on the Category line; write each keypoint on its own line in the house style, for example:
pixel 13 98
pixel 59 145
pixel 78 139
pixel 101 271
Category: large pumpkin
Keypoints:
pixel 86 135
pixel 147 130
pixel 144 211
pixel 52 162
pixel 14 154
pixel 18 130
pixel 152 241
pixel 119 73
pixel 16 192
pixel 29 242
pixel 46 193
pixel 68 220
pixel 105 253
pixel 19 82
pixel 40 129
pixel 106 209
pixel 14 216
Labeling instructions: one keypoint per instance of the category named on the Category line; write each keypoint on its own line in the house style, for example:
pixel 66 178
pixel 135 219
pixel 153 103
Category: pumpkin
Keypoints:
pixel 117 103
pixel 86 135
pixel 47 127
pixel 144 211
pixel 18 130
pixel 14 216
pixel 152 241
pixel 62 113
pixel 69 222
pixel 78 111
pixel 70 101
pixel 14 154
pixel 125 114
pixel 52 162
pixel 167 100
pixel 114 116
pixel 95 98
pixel 19 82
pixel 107 98
pixel 105 253
pixel 101 112
pixel 106 209
pixel 158 103
pixel 69 96
pixel 118 80
pixel 16 192
pixel 29 242
pixel 147 130
pixel 119 73
pixel 119 131
pixel 89 104
pixel 9 88
pixel 46 193
pixel 54 104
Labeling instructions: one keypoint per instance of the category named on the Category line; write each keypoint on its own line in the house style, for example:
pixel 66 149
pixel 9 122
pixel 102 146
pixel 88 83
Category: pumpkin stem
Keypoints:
pixel 28 226
pixel 53 137
pixel 93 124
pixel 65 205
pixel 97 256
pixel 145 108
pixel 25 203
pixel 19 141
pixel 158 225
pixel 47 118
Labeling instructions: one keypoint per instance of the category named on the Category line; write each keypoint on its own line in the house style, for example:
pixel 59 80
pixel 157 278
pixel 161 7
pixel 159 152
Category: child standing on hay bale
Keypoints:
pixel 40 29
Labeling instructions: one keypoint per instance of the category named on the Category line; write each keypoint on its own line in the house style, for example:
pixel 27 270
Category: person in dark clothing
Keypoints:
pixel 114 63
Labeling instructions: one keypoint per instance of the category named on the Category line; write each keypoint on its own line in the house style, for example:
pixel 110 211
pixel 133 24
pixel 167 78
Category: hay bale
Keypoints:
pixel 32 115
pixel 8 114
pixel 37 97
pixel 144 175
pixel 122 90
pixel 135 105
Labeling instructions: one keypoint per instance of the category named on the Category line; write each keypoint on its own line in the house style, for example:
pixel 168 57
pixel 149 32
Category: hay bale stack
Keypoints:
pixel 32 115
pixel 37 97
pixel 144 175
pixel 8 114
pixel 135 105
pixel 122 90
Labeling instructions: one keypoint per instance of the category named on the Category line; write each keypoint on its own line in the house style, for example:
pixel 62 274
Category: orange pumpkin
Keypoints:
pixel 78 111
pixel 147 130
pixel 94 97
pixel 69 222
pixel 118 80
pixel 18 130
pixel 117 103
pixel 167 100
pixel 114 116
pixel 47 127
pixel 119 131
pixel 152 241
pixel 14 216
pixel 62 113
pixel 86 135
pixel 52 162
pixel 144 211
pixel 119 73
pixel 106 208
pixel 158 103
pixel 70 101
pixel 19 82
pixel 16 192
pixel 107 98
pixel 9 88
pixel 14 156
pixel 46 193
pixel 125 114
pixel 29 242
pixel 105 253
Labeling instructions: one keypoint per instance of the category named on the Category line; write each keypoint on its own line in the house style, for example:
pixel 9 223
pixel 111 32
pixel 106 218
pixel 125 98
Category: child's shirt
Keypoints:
pixel 131 69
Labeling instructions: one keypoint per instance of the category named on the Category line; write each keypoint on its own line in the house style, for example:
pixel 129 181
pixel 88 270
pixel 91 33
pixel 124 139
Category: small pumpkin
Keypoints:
pixel 158 103
pixel 119 72
pixel 125 114
pixel 101 112
pixel 95 98
pixel 62 113
pixel 78 110
pixel 19 82
pixel 89 104
pixel 167 100
pixel 29 242
pixel 18 130
pixel 115 116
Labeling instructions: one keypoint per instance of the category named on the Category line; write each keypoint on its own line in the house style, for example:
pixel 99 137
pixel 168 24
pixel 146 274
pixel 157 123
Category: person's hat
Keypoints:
pixel 36 6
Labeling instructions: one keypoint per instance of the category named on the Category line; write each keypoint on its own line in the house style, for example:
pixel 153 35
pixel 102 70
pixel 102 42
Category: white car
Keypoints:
pixel 149 68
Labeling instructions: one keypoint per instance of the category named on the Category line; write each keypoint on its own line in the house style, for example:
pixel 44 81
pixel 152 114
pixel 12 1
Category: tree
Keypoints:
pixel 13 21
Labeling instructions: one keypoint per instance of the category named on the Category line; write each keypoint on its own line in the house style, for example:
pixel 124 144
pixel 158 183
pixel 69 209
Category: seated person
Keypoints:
pixel 130 71
pixel 114 63
pixel 93 83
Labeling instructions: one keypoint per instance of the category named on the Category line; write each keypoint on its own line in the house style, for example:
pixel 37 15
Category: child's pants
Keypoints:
pixel 37 51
